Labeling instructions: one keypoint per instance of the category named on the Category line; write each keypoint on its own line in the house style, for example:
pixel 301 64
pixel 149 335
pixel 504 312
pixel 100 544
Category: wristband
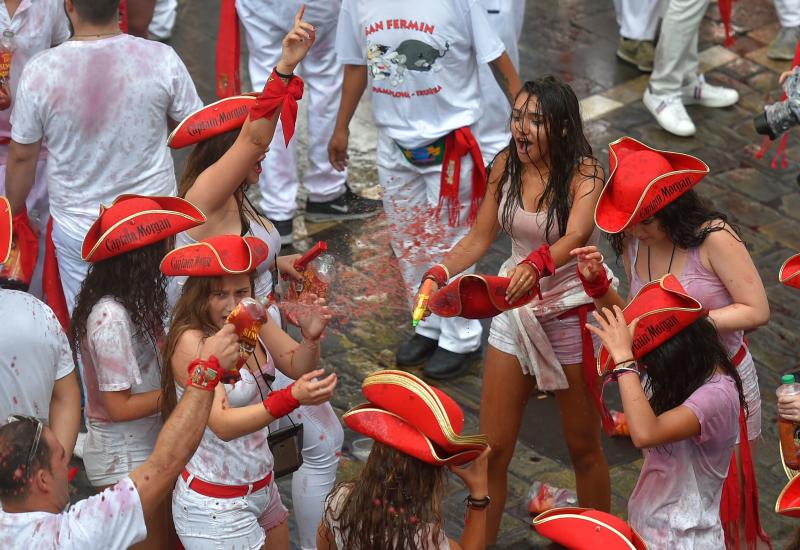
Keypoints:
pixel 277 95
pixel 597 288
pixel 541 261
pixel 280 74
pixel 279 403
pixel 477 503
pixel 625 362
pixel 439 274
pixel 205 374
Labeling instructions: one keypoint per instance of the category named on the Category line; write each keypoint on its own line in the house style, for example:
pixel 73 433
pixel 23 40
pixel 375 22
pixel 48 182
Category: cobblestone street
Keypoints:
pixel 576 40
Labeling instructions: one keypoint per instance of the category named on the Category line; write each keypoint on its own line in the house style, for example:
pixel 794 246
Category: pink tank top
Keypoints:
pixel 701 284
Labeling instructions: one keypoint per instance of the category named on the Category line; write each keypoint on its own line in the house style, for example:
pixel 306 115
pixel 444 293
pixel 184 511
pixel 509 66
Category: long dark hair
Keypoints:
pixel 568 151
pixel 395 503
pixel 685 362
pixel 135 281
pixel 687 221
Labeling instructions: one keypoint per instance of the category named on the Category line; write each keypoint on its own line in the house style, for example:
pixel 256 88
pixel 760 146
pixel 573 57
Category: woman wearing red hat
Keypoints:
pixel 542 192
pixel 117 328
pixel 659 225
pixel 688 424
pixel 227 496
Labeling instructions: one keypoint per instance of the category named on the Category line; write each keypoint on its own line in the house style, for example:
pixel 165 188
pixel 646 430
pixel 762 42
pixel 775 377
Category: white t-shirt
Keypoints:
pixel 102 107
pixel 112 520
pixel 35 353
pixel 37 25
pixel 422 60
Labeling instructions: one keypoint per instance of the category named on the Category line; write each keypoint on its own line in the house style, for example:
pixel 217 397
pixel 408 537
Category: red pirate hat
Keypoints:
pixel 788 503
pixel 663 309
pixel 790 269
pixel 212 120
pixel 392 430
pixel 587 529
pixel 475 297
pixel 216 256
pixel 134 221
pixel 643 180
pixel 431 411
pixel 5 229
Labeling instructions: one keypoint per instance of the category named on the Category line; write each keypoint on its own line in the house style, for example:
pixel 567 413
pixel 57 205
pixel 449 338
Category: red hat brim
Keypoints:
pixel 6 229
pixel 216 256
pixel 788 503
pixel 390 429
pixel 663 309
pixel 212 120
pixel 687 171
pixel 475 297
pixel 788 274
pixel 585 529
pixel 140 229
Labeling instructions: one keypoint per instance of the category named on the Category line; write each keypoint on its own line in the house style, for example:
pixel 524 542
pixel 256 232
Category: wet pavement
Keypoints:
pixel 576 40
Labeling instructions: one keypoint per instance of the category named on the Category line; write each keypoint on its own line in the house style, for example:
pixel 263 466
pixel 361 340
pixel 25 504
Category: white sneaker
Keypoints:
pixel 703 93
pixel 79 443
pixel 670 113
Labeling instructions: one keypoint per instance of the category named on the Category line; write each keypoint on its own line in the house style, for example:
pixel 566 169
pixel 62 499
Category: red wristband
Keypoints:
pixel 279 403
pixel 541 260
pixel 205 374
pixel 598 287
pixel 277 95
pixel 438 273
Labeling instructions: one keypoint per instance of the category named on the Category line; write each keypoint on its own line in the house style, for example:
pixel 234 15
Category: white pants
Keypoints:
pixel 71 267
pixel 637 19
pixel 163 20
pixel 788 12
pixel 492 128
pixel 322 444
pixel 419 239
pixel 676 62
pixel 38 204
pixel 265 24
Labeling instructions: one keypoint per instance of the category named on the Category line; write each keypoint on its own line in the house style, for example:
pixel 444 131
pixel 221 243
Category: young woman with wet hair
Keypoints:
pixel 117 329
pixel 542 191
pixel 658 224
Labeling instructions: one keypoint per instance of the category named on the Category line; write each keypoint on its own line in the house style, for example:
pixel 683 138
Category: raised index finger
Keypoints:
pixel 299 15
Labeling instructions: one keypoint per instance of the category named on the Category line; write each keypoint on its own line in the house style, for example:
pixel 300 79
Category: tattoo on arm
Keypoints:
pixel 502 81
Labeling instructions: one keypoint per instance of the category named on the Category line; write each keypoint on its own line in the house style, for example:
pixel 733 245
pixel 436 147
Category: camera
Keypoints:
pixel 779 117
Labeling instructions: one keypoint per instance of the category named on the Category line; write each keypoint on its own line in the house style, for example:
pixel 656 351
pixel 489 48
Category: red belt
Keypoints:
pixel 223 491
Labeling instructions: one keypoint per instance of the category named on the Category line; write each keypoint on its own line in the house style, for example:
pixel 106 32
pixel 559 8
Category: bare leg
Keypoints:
pixel 505 391
pixel 140 12
pixel 278 537
pixel 581 426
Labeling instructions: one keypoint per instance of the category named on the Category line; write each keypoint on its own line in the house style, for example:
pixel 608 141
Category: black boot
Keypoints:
pixel 445 364
pixel 415 351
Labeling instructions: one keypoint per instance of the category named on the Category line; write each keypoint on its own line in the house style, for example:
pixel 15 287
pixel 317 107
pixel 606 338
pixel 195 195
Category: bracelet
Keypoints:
pixel 280 74
pixel 205 374
pixel 631 360
pixel 477 503
pixel 279 403
pixel 621 371
pixel 541 261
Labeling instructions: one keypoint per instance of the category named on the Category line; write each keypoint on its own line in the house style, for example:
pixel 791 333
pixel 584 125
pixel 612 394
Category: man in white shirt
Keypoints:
pixel 33 473
pixel 101 101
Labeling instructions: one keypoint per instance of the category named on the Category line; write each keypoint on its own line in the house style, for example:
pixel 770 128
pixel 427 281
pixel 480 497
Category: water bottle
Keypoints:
pixel 8 45
pixel 789 434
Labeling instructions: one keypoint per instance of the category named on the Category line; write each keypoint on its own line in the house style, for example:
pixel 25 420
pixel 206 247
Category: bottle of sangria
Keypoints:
pixel 8 45
pixel 788 431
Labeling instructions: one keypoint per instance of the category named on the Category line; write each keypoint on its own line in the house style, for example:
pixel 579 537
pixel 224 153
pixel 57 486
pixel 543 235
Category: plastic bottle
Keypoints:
pixel 790 438
pixel 8 45
pixel 247 318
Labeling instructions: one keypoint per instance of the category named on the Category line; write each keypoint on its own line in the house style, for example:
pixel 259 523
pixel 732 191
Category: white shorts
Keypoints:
pixel 206 523
pixel 113 451
pixel 564 335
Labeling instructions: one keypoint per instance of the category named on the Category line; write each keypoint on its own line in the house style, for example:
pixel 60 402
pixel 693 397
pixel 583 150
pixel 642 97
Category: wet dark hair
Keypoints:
pixel 97 12
pixel 685 362
pixel 16 439
pixel 135 281
pixel 394 503
pixel 568 151
pixel 687 221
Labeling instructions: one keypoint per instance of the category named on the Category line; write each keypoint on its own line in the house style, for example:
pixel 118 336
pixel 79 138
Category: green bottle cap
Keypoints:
pixel 787 379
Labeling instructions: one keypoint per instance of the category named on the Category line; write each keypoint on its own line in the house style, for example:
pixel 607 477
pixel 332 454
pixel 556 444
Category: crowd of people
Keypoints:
pixel 144 306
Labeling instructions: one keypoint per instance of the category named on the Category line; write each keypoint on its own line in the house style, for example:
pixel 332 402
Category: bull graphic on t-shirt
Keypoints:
pixel 410 55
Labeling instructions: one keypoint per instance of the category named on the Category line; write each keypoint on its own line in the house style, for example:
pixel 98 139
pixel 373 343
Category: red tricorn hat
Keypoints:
pixel 212 120
pixel 475 297
pixel 587 529
pixel 788 503
pixel 643 180
pixel 216 257
pixel 5 229
pixel 663 309
pixel 790 269
pixel 135 221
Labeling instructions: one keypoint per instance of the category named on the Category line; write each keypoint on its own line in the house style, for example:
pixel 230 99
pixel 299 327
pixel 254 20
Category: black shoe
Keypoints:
pixel 348 206
pixel 445 364
pixel 415 351
pixel 284 228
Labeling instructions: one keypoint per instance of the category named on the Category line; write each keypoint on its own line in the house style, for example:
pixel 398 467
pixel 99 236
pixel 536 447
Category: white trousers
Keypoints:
pixel 265 24
pixel 420 239
pixel 637 19
pixel 492 128
pixel 163 20
pixel 676 61
pixel 71 267
pixel 788 12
